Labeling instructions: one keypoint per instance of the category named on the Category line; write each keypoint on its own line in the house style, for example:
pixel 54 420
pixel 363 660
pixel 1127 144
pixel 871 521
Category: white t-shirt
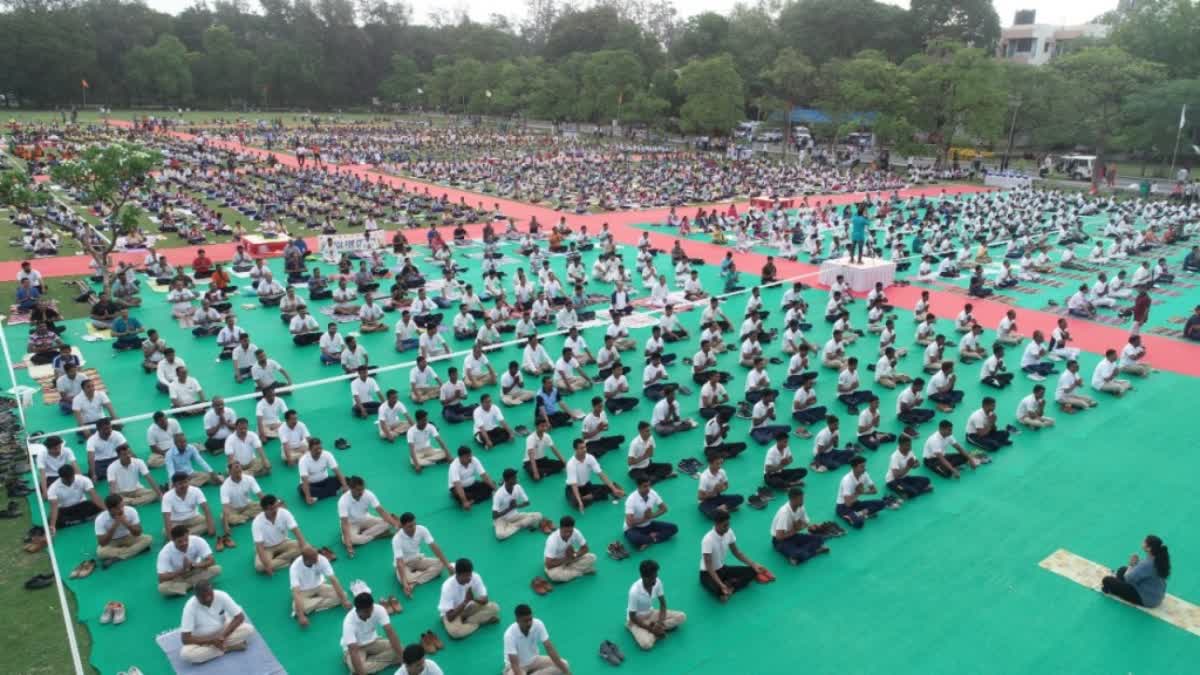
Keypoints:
pixel 897 463
pixel 849 484
pixel 105 520
pixel 200 621
pixel 419 438
pixel 526 647
pixel 105 448
pixel 293 436
pixel 127 478
pixel 182 508
pixel 271 413
pixel 70 495
pixel 466 476
pixel 364 391
pixel 163 439
pixel 503 499
pixel 355 631
pixel 1028 407
pixel 639 506
pixel 316 470
pixel 785 518
pixel 717 547
pixel 170 558
pixel 486 420
pixel 268 533
pixel 453 593
pixel 239 493
pixel 936 444
pixel 556 546
pixel 356 509
pixel 242 449
pixel 305 578
pixel 579 472
pixel 1104 372
pixel 405 547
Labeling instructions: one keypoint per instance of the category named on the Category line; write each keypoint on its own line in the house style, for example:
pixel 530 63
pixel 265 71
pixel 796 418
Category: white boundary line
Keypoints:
pixel 68 620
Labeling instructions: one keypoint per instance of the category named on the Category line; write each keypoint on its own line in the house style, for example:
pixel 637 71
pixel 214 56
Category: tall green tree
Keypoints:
pixel 402 81
pixel 1152 119
pixel 830 29
pixel 867 89
pixel 971 22
pixel 790 80
pixel 959 91
pixel 610 78
pixel 160 73
pixel 1164 31
pixel 1099 82
pixel 109 175
pixel 714 100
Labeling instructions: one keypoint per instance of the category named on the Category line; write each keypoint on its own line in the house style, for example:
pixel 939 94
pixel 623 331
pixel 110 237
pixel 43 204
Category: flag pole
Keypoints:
pixel 1178 134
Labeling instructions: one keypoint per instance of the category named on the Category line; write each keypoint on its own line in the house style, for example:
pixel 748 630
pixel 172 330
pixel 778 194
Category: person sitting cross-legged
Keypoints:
pixel 273 548
pixel 566 555
pixel 790 530
pixel 646 624
pixel 184 561
pixel 119 534
pixel 715 576
pixel 523 642
pixel 464 605
pixel 509 498
pixel 851 507
pixel 899 478
pixel 363 651
pixel 212 625
pixel 314 587
pixel 355 522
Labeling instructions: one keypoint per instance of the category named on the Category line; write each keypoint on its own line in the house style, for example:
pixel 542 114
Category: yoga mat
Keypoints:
pixel 1173 610
pixel 257 659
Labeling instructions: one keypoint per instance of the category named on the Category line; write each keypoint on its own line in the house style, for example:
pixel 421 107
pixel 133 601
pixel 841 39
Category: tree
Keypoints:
pixel 790 79
pixel 971 22
pixel 958 90
pixel 161 73
pixel 829 29
pixel 109 175
pixel 866 89
pixel 714 100
pixel 1099 82
pixel 701 36
pixel 610 77
pixel 18 191
pixel 1164 31
pixel 225 70
pixel 402 81
pixel 1152 118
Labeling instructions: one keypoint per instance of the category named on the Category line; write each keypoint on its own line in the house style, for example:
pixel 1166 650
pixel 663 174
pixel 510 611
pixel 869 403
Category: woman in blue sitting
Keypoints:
pixel 1144 581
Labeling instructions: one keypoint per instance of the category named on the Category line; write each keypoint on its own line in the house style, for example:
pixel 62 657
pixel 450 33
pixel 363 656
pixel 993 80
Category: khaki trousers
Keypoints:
pixel 1037 422
pixel 139 496
pixel 238 516
pixel 585 564
pixel 205 653
pixel 367 529
pixel 541 664
pixel 281 555
pixel 429 455
pixel 124 548
pixel 181 585
pixel 515 522
pixel 471 619
pixel 645 638
pixel 376 656
pixel 421 569
pixel 318 598
pixel 1078 400
pixel 517 397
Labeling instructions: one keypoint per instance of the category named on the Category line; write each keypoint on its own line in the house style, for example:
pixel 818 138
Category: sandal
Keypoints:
pixel 540 586
pixel 328 553
pixel 547 526
pixel 229 542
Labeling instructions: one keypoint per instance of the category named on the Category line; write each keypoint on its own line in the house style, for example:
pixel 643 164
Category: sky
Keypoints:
pixel 1048 11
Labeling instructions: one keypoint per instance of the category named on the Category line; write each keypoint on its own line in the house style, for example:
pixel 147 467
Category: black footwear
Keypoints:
pixel 341 444
pixel 39 581
pixel 757 502
pixel 13 510
pixel 35 531
pixel 608 652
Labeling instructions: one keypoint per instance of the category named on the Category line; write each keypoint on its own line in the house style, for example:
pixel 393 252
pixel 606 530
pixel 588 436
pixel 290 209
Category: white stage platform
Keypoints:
pixel 860 278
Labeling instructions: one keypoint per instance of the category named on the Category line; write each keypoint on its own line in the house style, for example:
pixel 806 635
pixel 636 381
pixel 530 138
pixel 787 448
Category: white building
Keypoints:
pixel 1038 43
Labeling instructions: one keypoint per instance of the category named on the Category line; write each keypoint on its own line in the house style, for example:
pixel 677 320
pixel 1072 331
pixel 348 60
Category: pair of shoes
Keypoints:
pixel 114 613
pixel 341 444
pixel 521 430
pixel 757 502
pixel 39 581
pixel 430 642
pixel 36 543
pixel 35 531
pixel 616 551
pixel 546 526
pixel 893 502
pixel 541 585
pixel 611 653
pixel 691 466
pixel 84 569
pixel 392 605
pixel 328 553
pixel 13 510
pixel 765 576
pixel 765 493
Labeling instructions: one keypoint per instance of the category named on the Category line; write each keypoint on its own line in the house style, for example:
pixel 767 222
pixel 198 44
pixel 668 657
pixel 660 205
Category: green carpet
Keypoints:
pixel 1171 303
pixel 948 583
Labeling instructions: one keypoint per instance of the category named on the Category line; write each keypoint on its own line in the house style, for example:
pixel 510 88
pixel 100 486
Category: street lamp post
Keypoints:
pixel 1015 102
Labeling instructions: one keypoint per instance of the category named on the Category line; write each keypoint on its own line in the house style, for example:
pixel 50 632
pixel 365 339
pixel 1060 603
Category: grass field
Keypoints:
pixel 957 568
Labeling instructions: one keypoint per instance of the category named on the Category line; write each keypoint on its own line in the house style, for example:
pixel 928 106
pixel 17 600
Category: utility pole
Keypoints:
pixel 1015 102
